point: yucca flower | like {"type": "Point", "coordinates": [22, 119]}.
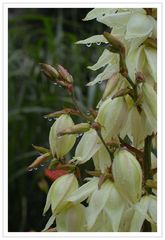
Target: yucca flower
{"type": "Point", "coordinates": [127, 175]}
{"type": "Point", "coordinates": [61, 145]}
{"type": "Point", "coordinates": [105, 201]}
{"type": "Point", "coordinates": [112, 116]}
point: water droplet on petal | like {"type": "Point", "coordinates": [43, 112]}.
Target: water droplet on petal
{"type": "Point", "coordinates": [89, 44]}
{"type": "Point", "coordinates": [98, 43]}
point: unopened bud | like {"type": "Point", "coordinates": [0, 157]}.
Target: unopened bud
{"type": "Point", "coordinates": [76, 129]}
{"type": "Point", "coordinates": [117, 45]}
{"type": "Point", "coordinates": [69, 111]}
{"type": "Point", "coordinates": [65, 75]}
{"type": "Point", "coordinates": [38, 161]}
{"type": "Point", "coordinates": [40, 149]}
{"type": "Point", "coordinates": [49, 71]}
{"type": "Point", "coordinates": [139, 77]}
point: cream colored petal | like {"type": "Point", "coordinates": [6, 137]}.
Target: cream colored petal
{"type": "Point", "coordinates": [139, 25]}
{"type": "Point", "coordinates": [114, 208]}
{"type": "Point", "coordinates": [98, 12]}
{"type": "Point", "coordinates": [59, 191]}
{"type": "Point", "coordinates": [63, 144]}
{"type": "Point", "coordinates": [106, 74]}
{"type": "Point", "coordinates": [135, 61]}
{"type": "Point", "coordinates": [127, 175]}
{"type": "Point", "coordinates": [152, 208]}
{"type": "Point", "coordinates": [151, 55]}
{"type": "Point", "coordinates": [149, 106]}
{"type": "Point", "coordinates": [112, 116]}
{"type": "Point", "coordinates": [138, 218]}
{"type": "Point", "coordinates": [84, 191]}
{"type": "Point", "coordinates": [93, 39]}
{"type": "Point", "coordinates": [71, 219]}
{"type": "Point", "coordinates": [97, 203]}
{"type": "Point", "coordinates": [115, 19]}
{"type": "Point", "coordinates": [49, 223]}
{"type": "Point", "coordinates": [87, 147]}
{"type": "Point", "coordinates": [102, 159]}
{"type": "Point", "coordinates": [103, 60]}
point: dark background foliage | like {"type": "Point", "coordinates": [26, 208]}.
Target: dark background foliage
{"type": "Point", "coordinates": [48, 36]}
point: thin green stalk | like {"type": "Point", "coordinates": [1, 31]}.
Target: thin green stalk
{"type": "Point", "coordinates": [77, 107]}
{"type": "Point", "coordinates": [101, 138]}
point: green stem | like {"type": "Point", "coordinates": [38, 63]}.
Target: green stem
{"type": "Point", "coordinates": [133, 86]}
{"type": "Point", "coordinates": [101, 138]}
{"type": "Point", "coordinates": [88, 118]}
{"type": "Point", "coordinates": [147, 159]}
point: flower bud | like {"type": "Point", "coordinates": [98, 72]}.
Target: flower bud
{"type": "Point", "coordinates": [127, 175]}
{"type": "Point", "coordinates": [76, 129]}
{"type": "Point", "coordinates": [59, 192]}
{"type": "Point", "coordinates": [112, 115]}
{"type": "Point", "coordinates": [49, 71]}
{"type": "Point", "coordinates": [116, 44]}
{"type": "Point", "coordinates": [64, 74]}
{"type": "Point", "coordinates": [61, 145]}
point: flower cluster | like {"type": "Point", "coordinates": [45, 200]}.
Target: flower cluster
{"type": "Point", "coordinates": [118, 135]}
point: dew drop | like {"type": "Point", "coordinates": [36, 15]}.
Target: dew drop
{"type": "Point", "coordinates": [35, 169]}
{"type": "Point", "coordinates": [60, 86]}
{"type": "Point", "coordinates": [89, 45]}
{"type": "Point", "coordinates": [30, 170]}
{"type": "Point", "coordinates": [88, 113]}
{"type": "Point", "coordinates": [98, 43]}
{"type": "Point", "coordinates": [49, 119]}
{"type": "Point", "coordinates": [42, 165]}
{"type": "Point", "coordinates": [55, 83]}
{"type": "Point", "coordinates": [45, 117]}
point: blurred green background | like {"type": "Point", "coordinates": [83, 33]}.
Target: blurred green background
{"type": "Point", "coordinates": [48, 36]}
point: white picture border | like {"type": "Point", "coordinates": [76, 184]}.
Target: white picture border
{"type": "Point", "coordinates": [4, 116]}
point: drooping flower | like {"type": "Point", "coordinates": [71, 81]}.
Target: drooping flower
{"type": "Point", "coordinates": [61, 145]}
{"type": "Point", "coordinates": [58, 193]}
{"type": "Point", "coordinates": [112, 116]}
{"type": "Point", "coordinates": [72, 219]}
{"type": "Point", "coordinates": [127, 175]}
{"type": "Point", "coordinates": [106, 201]}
